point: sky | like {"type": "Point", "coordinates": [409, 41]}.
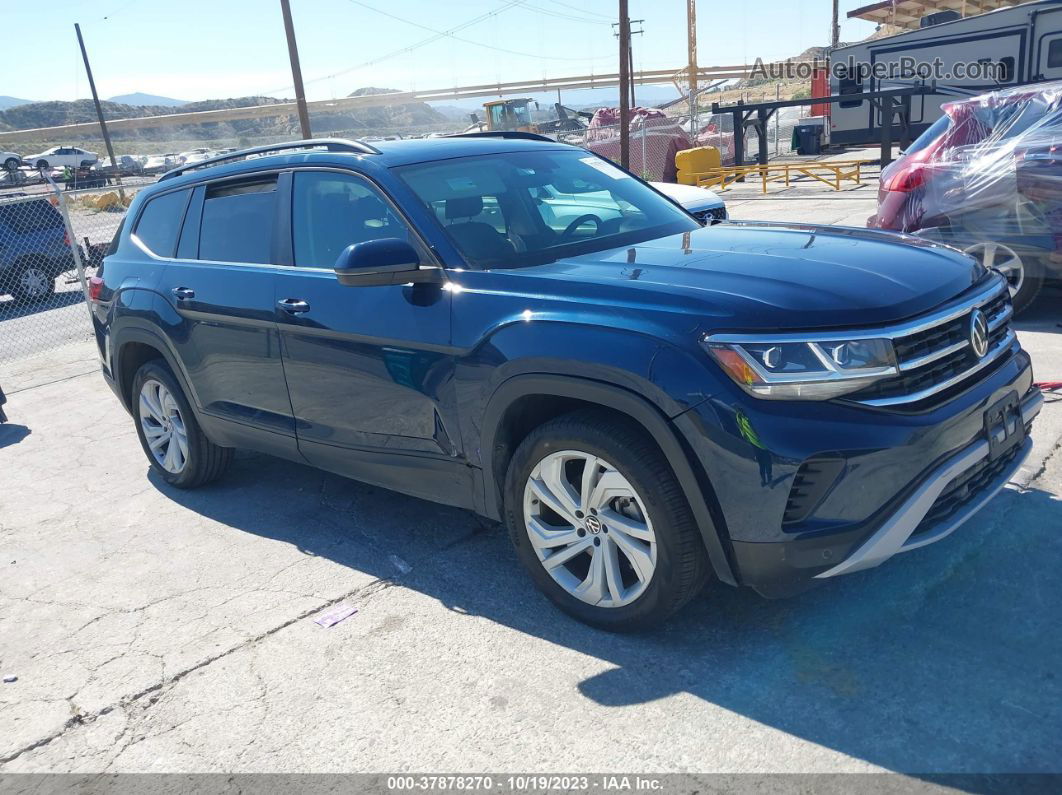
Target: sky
{"type": "Point", "coordinates": [206, 49]}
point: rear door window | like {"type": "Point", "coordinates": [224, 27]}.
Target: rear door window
{"type": "Point", "coordinates": [160, 222]}
{"type": "Point", "coordinates": [238, 220]}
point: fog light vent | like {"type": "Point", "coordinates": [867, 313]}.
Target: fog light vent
{"type": "Point", "coordinates": [813, 481]}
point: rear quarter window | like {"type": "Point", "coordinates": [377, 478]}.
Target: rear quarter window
{"type": "Point", "coordinates": [160, 222]}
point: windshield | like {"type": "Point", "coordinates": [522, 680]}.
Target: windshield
{"type": "Point", "coordinates": [528, 208]}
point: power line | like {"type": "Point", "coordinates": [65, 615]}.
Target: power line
{"type": "Point", "coordinates": [449, 34]}
{"type": "Point", "coordinates": [561, 15]}
{"type": "Point", "coordinates": [608, 17]}
{"type": "Point", "coordinates": [429, 40]}
{"type": "Point", "coordinates": [437, 36]}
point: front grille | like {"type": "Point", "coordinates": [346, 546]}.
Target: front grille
{"type": "Point", "coordinates": [711, 216]}
{"type": "Point", "coordinates": [937, 360]}
{"type": "Point", "coordinates": [963, 489]}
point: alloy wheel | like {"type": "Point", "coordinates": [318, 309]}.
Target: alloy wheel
{"type": "Point", "coordinates": [1004, 259]}
{"type": "Point", "coordinates": [589, 528]}
{"type": "Point", "coordinates": [163, 426]}
{"type": "Point", "coordinates": [34, 283]}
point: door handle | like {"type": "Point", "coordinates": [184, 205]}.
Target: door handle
{"type": "Point", "coordinates": [183, 293]}
{"type": "Point", "coordinates": [293, 306]}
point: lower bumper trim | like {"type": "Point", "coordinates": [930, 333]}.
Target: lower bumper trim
{"type": "Point", "coordinates": [895, 534]}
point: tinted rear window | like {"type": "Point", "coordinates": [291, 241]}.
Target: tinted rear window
{"type": "Point", "coordinates": [237, 223]}
{"type": "Point", "coordinates": [929, 136]}
{"type": "Point", "coordinates": [160, 222]}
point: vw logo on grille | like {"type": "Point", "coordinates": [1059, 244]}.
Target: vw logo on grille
{"type": "Point", "coordinates": [979, 333]}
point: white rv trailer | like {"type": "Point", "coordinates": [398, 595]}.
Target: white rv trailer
{"type": "Point", "coordinates": [1020, 45]}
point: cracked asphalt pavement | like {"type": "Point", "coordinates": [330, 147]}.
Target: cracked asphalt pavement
{"type": "Point", "coordinates": [157, 630]}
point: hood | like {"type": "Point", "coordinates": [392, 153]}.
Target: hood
{"type": "Point", "coordinates": [747, 276]}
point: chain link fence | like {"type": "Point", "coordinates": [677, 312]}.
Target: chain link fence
{"type": "Point", "coordinates": [50, 243]}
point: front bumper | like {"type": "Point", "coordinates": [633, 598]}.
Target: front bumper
{"type": "Point", "coordinates": [900, 480]}
{"type": "Point", "coordinates": [906, 528]}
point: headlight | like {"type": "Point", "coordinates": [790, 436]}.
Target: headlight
{"type": "Point", "coordinates": [793, 369]}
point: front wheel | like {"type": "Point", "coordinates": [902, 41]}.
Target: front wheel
{"type": "Point", "coordinates": [42, 164]}
{"type": "Point", "coordinates": [11, 164]}
{"type": "Point", "coordinates": [175, 445]}
{"type": "Point", "coordinates": [600, 522]}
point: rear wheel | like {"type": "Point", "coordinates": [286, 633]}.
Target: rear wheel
{"type": "Point", "coordinates": [33, 284]}
{"type": "Point", "coordinates": [1023, 271]}
{"type": "Point", "coordinates": [600, 522]}
{"type": "Point", "coordinates": [170, 434]}
{"type": "Point", "coordinates": [11, 164]}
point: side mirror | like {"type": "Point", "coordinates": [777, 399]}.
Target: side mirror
{"type": "Point", "coordinates": [378, 263]}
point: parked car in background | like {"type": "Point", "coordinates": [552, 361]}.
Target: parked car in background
{"type": "Point", "coordinates": [157, 164]}
{"type": "Point", "coordinates": [987, 178]}
{"type": "Point", "coordinates": [518, 327]}
{"type": "Point", "coordinates": [702, 203]}
{"type": "Point", "coordinates": [194, 156]}
{"type": "Point", "coordinates": [34, 249]}
{"type": "Point", "coordinates": [62, 157]}
{"type": "Point", "coordinates": [10, 161]}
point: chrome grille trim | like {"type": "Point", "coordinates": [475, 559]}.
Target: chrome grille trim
{"type": "Point", "coordinates": [929, 358]}
{"type": "Point", "coordinates": [1000, 348]}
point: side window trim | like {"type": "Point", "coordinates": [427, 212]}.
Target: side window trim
{"type": "Point", "coordinates": [283, 241]}
{"type": "Point", "coordinates": [419, 242]}
{"type": "Point", "coordinates": [188, 242]}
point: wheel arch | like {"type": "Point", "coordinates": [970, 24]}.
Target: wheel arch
{"type": "Point", "coordinates": [524, 402]}
{"type": "Point", "coordinates": [133, 346]}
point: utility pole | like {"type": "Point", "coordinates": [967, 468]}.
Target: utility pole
{"type": "Point", "coordinates": [296, 70]}
{"type": "Point", "coordinates": [835, 29]}
{"type": "Point", "coordinates": [691, 25]}
{"type": "Point", "coordinates": [625, 84]}
{"type": "Point", "coordinates": [99, 111]}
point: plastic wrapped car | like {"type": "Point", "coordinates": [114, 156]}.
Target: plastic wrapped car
{"type": "Point", "coordinates": [987, 178]}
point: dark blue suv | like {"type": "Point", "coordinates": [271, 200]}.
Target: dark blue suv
{"type": "Point", "coordinates": [520, 328]}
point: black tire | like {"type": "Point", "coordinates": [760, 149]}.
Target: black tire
{"type": "Point", "coordinates": [11, 164]}
{"type": "Point", "coordinates": [42, 164]}
{"type": "Point", "coordinates": [682, 565]}
{"type": "Point", "coordinates": [1031, 285]}
{"type": "Point", "coordinates": [39, 275]}
{"type": "Point", "coordinates": [206, 461]}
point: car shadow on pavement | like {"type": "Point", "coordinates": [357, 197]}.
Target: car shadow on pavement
{"type": "Point", "coordinates": [948, 659]}
{"type": "Point", "coordinates": [12, 433]}
{"type": "Point", "coordinates": [11, 310]}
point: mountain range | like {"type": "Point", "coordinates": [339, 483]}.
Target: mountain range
{"type": "Point", "coordinates": [140, 98]}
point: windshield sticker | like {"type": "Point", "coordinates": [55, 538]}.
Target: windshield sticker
{"type": "Point", "coordinates": [605, 167]}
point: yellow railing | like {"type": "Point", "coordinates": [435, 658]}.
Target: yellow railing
{"type": "Point", "coordinates": [829, 172]}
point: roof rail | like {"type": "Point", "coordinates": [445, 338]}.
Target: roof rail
{"type": "Point", "coordinates": [519, 134]}
{"type": "Point", "coordinates": [329, 144]}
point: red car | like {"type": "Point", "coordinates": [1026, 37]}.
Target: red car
{"type": "Point", "coordinates": [987, 178]}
